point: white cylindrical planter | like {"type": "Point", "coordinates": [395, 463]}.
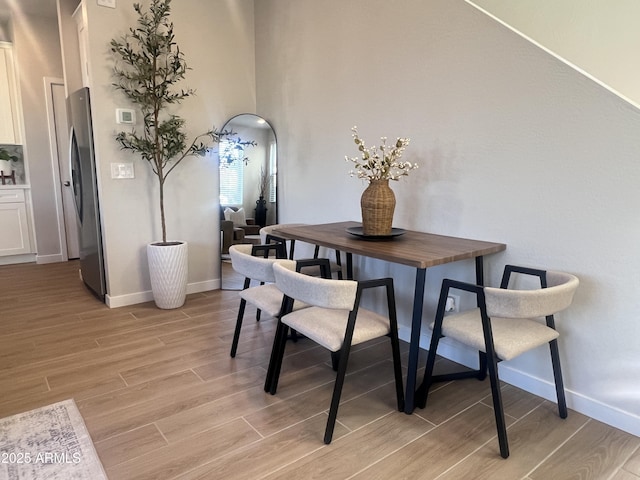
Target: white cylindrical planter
{"type": "Point", "coordinates": [168, 272]}
{"type": "Point", "coordinates": [6, 166]}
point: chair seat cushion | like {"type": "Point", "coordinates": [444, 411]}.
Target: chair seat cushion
{"type": "Point", "coordinates": [511, 336]}
{"type": "Point", "coordinates": [327, 326]}
{"type": "Point", "coordinates": [267, 298]}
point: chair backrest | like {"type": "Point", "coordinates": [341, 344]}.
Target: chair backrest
{"type": "Point", "coordinates": [509, 303]}
{"type": "Point", "coordinates": [277, 250]}
{"type": "Point", "coordinates": [255, 268]}
{"type": "Point", "coordinates": [320, 292]}
{"type": "Point", "coordinates": [264, 231]}
{"type": "Point", "coordinates": [304, 249]}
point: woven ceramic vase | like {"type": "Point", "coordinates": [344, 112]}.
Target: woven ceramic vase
{"type": "Point", "coordinates": [377, 204]}
{"type": "Point", "coordinates": [168, 272]}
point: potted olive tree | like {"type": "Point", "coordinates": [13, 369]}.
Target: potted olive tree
{"type": "Point", "coordinates": [148, 66]}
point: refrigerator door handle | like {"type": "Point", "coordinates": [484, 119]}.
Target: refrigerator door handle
{"type": "Point", "coordinates": [76, 173]}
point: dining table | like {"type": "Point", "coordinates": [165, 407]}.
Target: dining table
{"type": "Point", "coordinates": [420, 250]}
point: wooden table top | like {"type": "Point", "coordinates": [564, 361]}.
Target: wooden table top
{"type": "Point", "coordinates": [416, 249]}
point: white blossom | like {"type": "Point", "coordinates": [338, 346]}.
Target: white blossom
{"type": "Point", "coordinates": [381, 162]}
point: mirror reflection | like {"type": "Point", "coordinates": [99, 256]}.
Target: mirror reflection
{"type": "Point", "coordinates": [248, 187]}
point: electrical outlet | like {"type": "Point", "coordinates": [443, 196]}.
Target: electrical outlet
{"type": "Point", "coordinates": [122, 170]}
{"type": "Point", "coordinates": [453, 303]}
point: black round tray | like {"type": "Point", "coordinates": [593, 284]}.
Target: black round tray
{"type": "Point", "coordinates": [357, 231]}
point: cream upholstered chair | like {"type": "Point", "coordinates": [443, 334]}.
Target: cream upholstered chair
{"type": "Point", "coordinates": [504, 325]}
{"type": "Point", "coordinates": [248, 260]}
{"type": "Point", "coordinates": [334, 320]}
{"type": "Point", "coordinates": [269, 234]}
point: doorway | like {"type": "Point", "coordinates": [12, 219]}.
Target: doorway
{"type": "Point", "coordinates": [59, 147]}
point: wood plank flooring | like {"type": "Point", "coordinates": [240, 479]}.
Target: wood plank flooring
{"type": "Point", "coordinates": [162, 399]}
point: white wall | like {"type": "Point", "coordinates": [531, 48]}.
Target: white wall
{"type": "Point", "coordinates": [514, 146]}
{"type": "Point", "coordinates": [217, 39]}
{"type": "Point", "coordinates": [4, 30]}
{"type": "Point", "coordinates": [37, 54]}
{"type": "Point", "coordinates": [69, 43]}
{"type": "Point", "coordinates": [601, 38]}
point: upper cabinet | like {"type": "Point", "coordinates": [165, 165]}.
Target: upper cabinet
{"type": "Point", "coordinates": [9, 113]}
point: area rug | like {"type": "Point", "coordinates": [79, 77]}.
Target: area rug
{"type": "Point", "coordinates": [49, 443]}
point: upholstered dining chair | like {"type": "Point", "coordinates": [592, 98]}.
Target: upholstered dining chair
{"type": "Point", "coordinates": [248, 260]}
{"type": "Point", "coordinates": [504, 325]}
{"type": "Point", "coordinates": [334, 320]}
{"type": "Point", "coordinates": [269, 234]}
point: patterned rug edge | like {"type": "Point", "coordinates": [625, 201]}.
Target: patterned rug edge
{"type": "Point", "coordinates": [49, 442]}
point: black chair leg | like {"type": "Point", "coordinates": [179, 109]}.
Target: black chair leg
{"type": "Point", "coordinates": [497, 407]}
{"type": "Point", "coordinates": [261, 283]}
{"type": "Point", "coordinates": [397, 368]}
{"type": "Point", "coordinates": [423, 389]}
{"type": "Point", "coordinates": [337, 392]}
{"type": "Point", "coordinates": [280, 344]}
{"type": "Point", "coordinates": [236, 333]}
{"type": "Point", "coordinates": [335, 360]}
{"type": "Point", "coordinates": [557, 375]}
{"type": "Point", "coordinates": [395, 342]}
{"type": "Point", "coordinates": [274, 354]}
{"type": "Point", "coordinates": [482, 369]}
{"type": "Point", "coordinates": [294, 336]}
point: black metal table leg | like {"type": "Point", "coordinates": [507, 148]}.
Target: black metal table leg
{"type": "Point", "coordinates": [414, 345]}
{"type": "Point", "coordinates": [479, 270]}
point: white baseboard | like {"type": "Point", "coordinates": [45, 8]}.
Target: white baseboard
{"type": "Point", "coordinates": [11, 259]}
{"type": "Point", "coordinates": [147, 296]}
{"type": "Point", "coordinates": [591, 407]}
{"type": "Point", "coordinates": [42, 259]}
{"type": "Point", "coordinates": [205, 286]}
{"type": "Point", "coordinates": [128, 299]}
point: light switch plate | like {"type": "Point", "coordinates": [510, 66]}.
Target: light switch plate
{"type": "Point", "coordinates": [107, 3]}
{"type": "Point", "coordinates": [122, 170]}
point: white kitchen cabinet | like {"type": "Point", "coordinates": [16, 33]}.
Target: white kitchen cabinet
{"type": "Point", "coordinates": [9, 117]}
{"type": "Point", "coordinates": [14, 231]}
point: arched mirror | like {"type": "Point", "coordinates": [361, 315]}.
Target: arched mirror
{"type": "Point", "coordinates": [248, 187]}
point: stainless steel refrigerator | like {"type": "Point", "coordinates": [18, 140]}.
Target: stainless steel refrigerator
{"type": "Point", "coordinates": [85, 192]}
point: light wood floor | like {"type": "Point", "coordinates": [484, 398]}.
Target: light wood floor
{"type": "Point", "coordinates": [162, 399]}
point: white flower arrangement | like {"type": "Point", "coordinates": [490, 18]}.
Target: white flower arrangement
{"type": "Point", "coordinates": [381, 162]}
